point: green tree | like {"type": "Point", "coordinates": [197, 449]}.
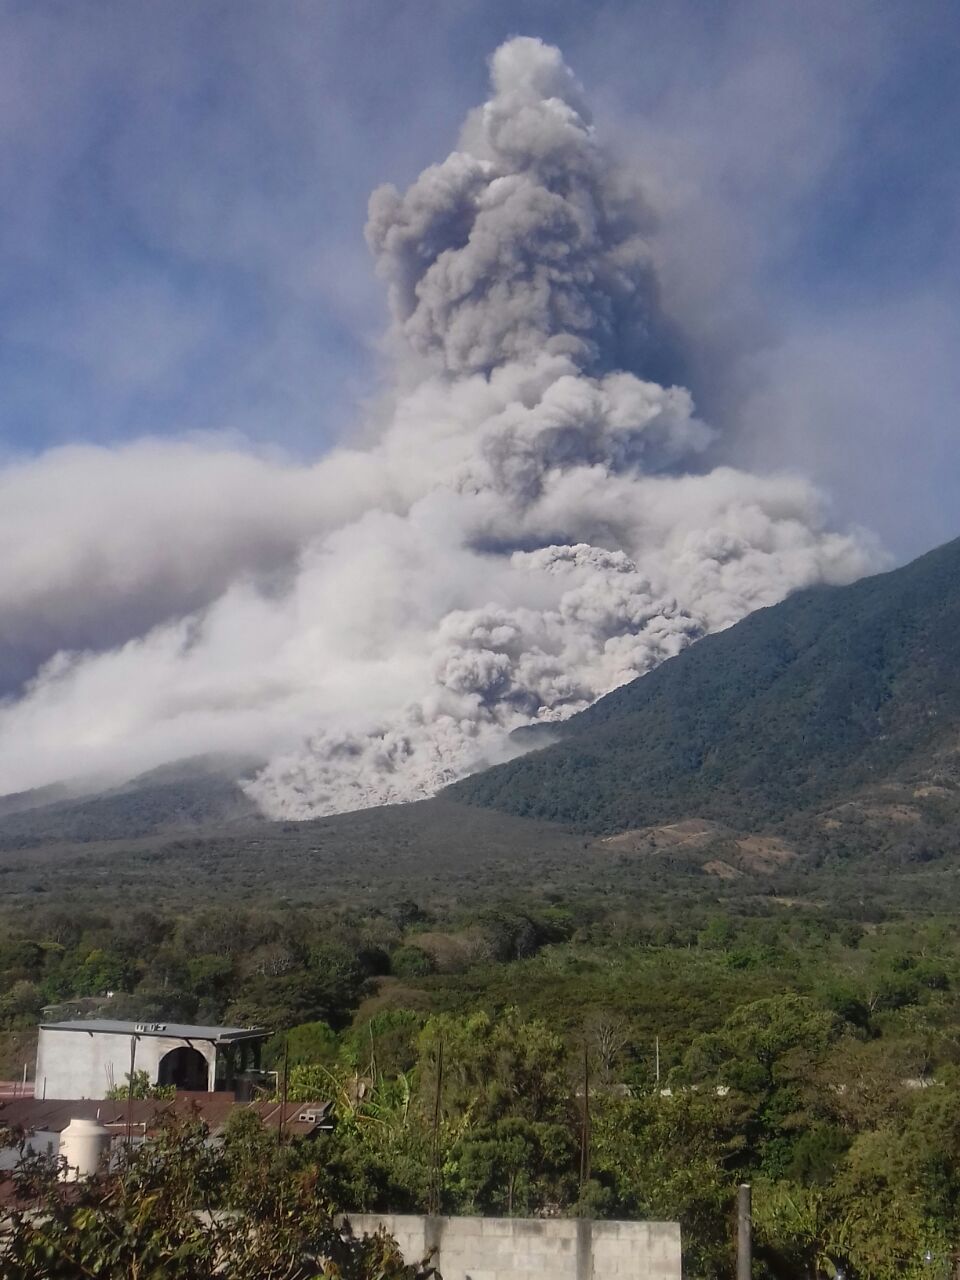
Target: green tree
{"type": "Point", "coordinates": [513, 1166]}
{"type": "Point", "coordinates": [411, 962]}
{"type": "Point", "coordinates": [668, 1158]}
{"type": "Point", "coordinates": [141, 1088]}
{"type": "Point", "coordinates": [20, 1004]}
{"type": "Point", "coordinates": [492, 1068]}
{"type": "Point", "coordinates": [303, 1045]}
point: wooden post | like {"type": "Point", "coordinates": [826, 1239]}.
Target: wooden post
{"type": "Point", "coordinates": [284, 1088]}
{"type": "Point", "coordinates": [133, 1064]}
{"type": "Point", "coordinates": [373, 1057]}
{"type": "Point", "coordinates": [585, 1126]}
{"type": "Point", "coordinates": [435, 1179]}
{"type": "Point", "coordinates": [744, 1233]}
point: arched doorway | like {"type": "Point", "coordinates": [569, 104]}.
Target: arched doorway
{"type": "Point", "coordinates": [184, 1068]}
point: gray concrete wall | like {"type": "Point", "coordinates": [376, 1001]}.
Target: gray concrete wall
{"type": "Point", "coordinates": [534, 1248]}
{"type": "Point", "coordinates": [85, 1064]}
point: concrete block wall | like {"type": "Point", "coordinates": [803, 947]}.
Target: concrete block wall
{"type": "Point", "coordinates": [534, 1248]}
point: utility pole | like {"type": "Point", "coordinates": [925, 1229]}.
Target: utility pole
{"type": "Point", "coordinates": [657, 1052]}
{"type": "Point", "coordinates": [744, 1232]}
{"type": "Point", "coordinates": [434, 1204]}
{"type": "Point", "coordinates": [585, 1130]}
{"type": "Point", "coordinates": [283, 1088]}
{"type": "Point", "coordinates": [133, 1063]}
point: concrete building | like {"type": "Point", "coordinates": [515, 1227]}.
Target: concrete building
{"type": "Point", "coordinates": [87, 1058]}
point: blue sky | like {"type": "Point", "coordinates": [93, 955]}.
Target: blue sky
{"type": "Point", "coordinates": [184, 186]}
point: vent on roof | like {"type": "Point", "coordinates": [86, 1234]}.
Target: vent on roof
{"type": "Point", "coordinates": [309, 1117]}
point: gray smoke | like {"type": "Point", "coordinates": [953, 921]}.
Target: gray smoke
{"type": "Point", "coordinates": [533, 527]}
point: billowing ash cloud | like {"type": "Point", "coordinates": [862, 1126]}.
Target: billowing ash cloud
{"type": "Point", "coordinates": [532, 527]}
{"type": "Point", "coordinates": [522, 241]}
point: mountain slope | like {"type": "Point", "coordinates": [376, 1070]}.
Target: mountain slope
{"type": "Point", "coordinates": [199, 792]}
{"type": "Point", "coordinates": [835, 689]}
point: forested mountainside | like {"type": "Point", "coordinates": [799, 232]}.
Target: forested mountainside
{"type": "Point", "coordinates": [830, 722]}
{"type": "Point", "coordinates": [838, 696]}
{"type": "Point", "coordinates": [202, 792]}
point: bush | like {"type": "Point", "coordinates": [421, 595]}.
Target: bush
{"type": "Point", "coordinates": [141, 1088]}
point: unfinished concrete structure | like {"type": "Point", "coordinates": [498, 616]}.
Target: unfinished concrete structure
{"type": "Point", "coordinates": [532, 1248]}
{"type": "Point", "coordinates": [85, 1059]}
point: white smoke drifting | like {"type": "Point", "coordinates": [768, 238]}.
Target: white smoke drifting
{"type": "Point", "coordinates": [530, 529]}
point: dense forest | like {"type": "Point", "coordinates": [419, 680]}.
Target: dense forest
{"type": "Point", "coordinates": [503, 1058]}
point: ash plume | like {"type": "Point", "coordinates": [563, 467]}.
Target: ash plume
{"type": "Point", "coordinates": [533, 526]}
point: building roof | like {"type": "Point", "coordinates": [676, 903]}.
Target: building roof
{"type": "Point", "coordinates": [53, 1115]}
{"type": "Point", "coordinates": [174, 1030]}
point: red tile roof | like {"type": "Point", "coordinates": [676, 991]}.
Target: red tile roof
{"type": "Point", "coordinates": [53, 1115]}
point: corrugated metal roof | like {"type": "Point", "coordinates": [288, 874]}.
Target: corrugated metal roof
{"type": "Point", "coordinates": [176, 1030]}
{"type": "Point", "coordinates": [53, 1115]}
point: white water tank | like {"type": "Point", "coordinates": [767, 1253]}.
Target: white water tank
{"type": "Point", "coordinates": [83, 1145]}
